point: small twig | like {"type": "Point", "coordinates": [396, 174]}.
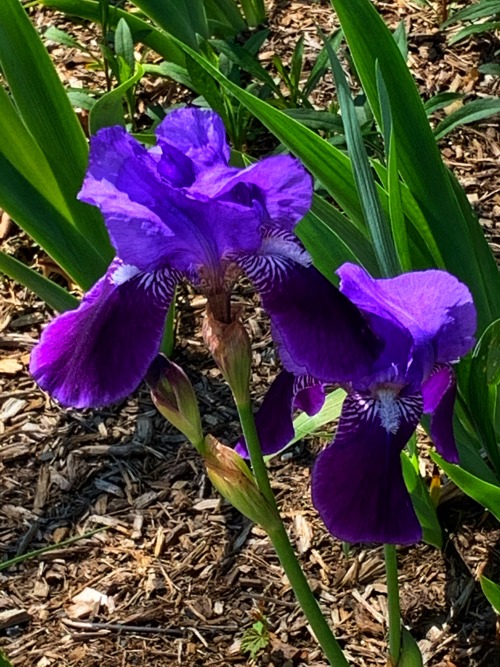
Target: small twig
{"type": "Point", "coordinates": [121, 627]}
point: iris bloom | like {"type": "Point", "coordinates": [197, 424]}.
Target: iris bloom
{"type": "Point", "coordinates": [176, 211]}
{"type": "Point", "coordinates": [424, 321]}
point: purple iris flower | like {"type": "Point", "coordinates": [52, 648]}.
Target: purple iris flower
{"type": "Point", "coordinates": [175, 211]}
{"type": "Point", "coordinates": [425, 320]}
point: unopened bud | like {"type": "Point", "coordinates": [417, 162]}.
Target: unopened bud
{"type": "Point", "coordinates": [230, 346]}
{"type": "Point", "coordinates": [174, 397]}
{"type": "Point", "coordinates": [231, 476]}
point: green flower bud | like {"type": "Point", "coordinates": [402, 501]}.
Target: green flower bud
{"type": "Point", "coordinates": [174, 397]}
{"type": "Point", "coordinates": [231, 476]}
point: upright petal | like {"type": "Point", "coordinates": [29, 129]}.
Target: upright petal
{"type": "Point", "coordinates": [123, 182]}
{"type": "Point", "coordinates": [274, 420]}
{"type": "Point", "coordinates": [318, 331]}
{"type": "Point", "coordinates": [357, 481]}
{"type": "Point", "coordinates": [153, 224]}
{"type": "Point", "coordinates": [98, 354]}
{"type": "Point", "coordinates": [198, 133]}
{"type": "Point", "coordinates": [439, 392]}
{"type": "Point", "coordinates": [279, 183]}
{"type": "Point", "coordinates": [434, 306]}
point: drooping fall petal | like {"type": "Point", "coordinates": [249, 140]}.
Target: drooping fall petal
{"type": "Point", "coordinates": [357, 481]}
{"type": "Point", "coordinates": [98, 354]}
{"type": "Point", "coordinates": [274, 419]}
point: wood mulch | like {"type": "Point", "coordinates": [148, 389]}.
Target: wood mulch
{"type": "Point", "coordinates": [175, 575]}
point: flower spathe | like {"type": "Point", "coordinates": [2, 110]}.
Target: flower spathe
{"type": "Point", "coordinates": [179, 211]}
{"type": "Point", "coordinates": [426, 320]}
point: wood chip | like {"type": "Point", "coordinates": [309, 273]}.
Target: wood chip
{"type": "Point", "coordinates": [12, 617]}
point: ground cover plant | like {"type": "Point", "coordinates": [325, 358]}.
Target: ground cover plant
{"type": "Point", "coordinates": [388, 344]}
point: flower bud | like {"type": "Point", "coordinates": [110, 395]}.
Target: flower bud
{"type": "Point", "coordinates": [230, 346]}
{"type": "Point", "coordinates": [174, 397]}
{"type": "Point", "coordinates": [231, 476]}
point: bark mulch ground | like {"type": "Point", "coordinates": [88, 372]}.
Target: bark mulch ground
{"type": "Point", "coordinates": [175, 575]}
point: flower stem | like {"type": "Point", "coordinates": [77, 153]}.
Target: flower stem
{"type": "Point", "coordinates": [284, 549]}
{"type": "Point", "coordinates": [391, 570]}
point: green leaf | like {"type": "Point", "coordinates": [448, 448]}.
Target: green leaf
{"type": "Point", "coordinates": [305, 425]}
{"type": "Point", "coordinates": [486, 355]}
{"type": "Point", "coordinates": [474, 29]}
{"type": "Point", "coordinates": [332, 239]}
{"type": "Point", "coordinates": [484, 377]}
{"type": "Point", "coordinates": [124, 45]}
{"type": "Point", "coordinates": [255, 639]}
{"type": "Point", "coordinates": [255, 12]}
{"type": "Point", "coordinates": [185, 19]}
{"type": "Point", "coordinates": [493, 69]}
{"type": "Point", "coordinates": [468, 113]}
{"type": "Point", "coordinates": [46, 111]}
{"type": "Point", "coordinates": [4, 661]}
{"type": "Point", "coordinates": [419, 161]}
{"type": "Point", "coordinates": [296, 63]}
{"type": "Point", "coordinates": [80, 99]}
{"type": "Point", "coordinates": [410, 655]}
{"type": "Point", "coordinates": [383, 244]}
{"type": "Point", "coordinates": [225, 11]}
{"type": "Point", "coordinates": [474, 11]}
{"type": "Point", "coordinates": [401, 39]}
{"type": "Point", "coordinates": [440, 101]}
{"type": "Point", "coordinates": [466, 432]}
{"type": "Point", "coordinates": [18, 146]}
{"type": "Point", "coordinates": [244, 59]}
{"type": "Point", "coordinates": [486, 494]}
{"type": "Point", "coordinates": [320, 67]}
{"type": "Point", "coordinates": [108, 109]}
{"type": "Point", "coordinates": [61, 37]}
{"type": "Point", "coordinates": [422, 503]}
{"type": "Point", "coordinates": [142, 31]}
{"type": "Point", "coordinates": [48, 227]}
{"type": "Point", "coordinates": [396, 212]}
{"type": "Point", "coordinates": [172, 71]}
{"type": "Point", "coordinates": [54, 295]}
{"type": "Point", "coordinates": [317, 120]}
{"type": "Point", "coordinates": [207, 87]}
{"type": "Point", "coordinates": [492, 593]}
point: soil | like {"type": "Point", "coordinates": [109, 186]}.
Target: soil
{"type": "Point", "coordinates": [175, 575]}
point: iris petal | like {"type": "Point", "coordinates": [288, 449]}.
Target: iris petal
{"type": "Point", "coordinates": [357, 481]}
{"type": "Point", "coordinates": [434, 306]}
{"type": "Point", "coordinates": [99, 353]}
{"type": "Point", "coordinates": [274, 420]}
{"type": "Point", "coordinates": [154, 224]}
{"type": "Point", "coordinates": [198, 133]}
{"type": "Point", "coordinates": [279, 183]}
{"type": "Point", "coordinates": [439, 391]}
{"type": "Point", "coordinates": [317, 329]}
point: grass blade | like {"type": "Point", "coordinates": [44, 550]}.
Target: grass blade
{"type": "Point", "coordinates": [46, 225]}
{"type": "Point", "coordinates": [108, 110]}
{"type": "Point", "coordinates": [46, 111]}
{"type": "Point", "coordinates": [467, 255]}
{"type": "Point", "coordinates": [383, 244]}
{"type": "Point", "coordinates": [57, 298]}
{"type": "Point", "coordinates": [149, 35]}
{"type": "Point", "coordinates": [476, 110]}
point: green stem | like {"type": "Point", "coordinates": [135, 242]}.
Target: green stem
{"type": "Point", "coordinates": [284, 549]}
{"type": "Point", "coordinates": [391, 570]}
